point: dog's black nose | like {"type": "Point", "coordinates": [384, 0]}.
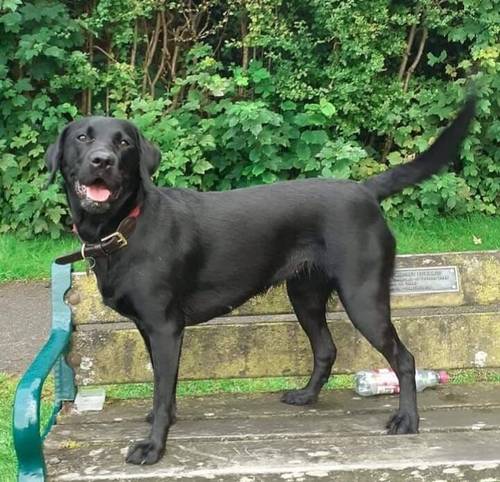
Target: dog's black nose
{"type": "Point", "coordinates": [102, 160]}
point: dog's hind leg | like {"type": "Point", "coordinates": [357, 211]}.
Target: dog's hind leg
{"type": "Point", "coordinates": [365, 293]}
{"type": "Point", "coordinates": [309, 295]}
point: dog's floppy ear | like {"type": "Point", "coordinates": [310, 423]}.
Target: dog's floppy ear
{"type": "Point", "coordinates": [150, 158]}
{"type": "Point", "coordinates": [54, 155]}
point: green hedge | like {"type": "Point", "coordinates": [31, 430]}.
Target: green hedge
{"type": "Point", "coordinates": [241, 92]}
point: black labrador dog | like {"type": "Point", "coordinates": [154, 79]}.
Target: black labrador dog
{"type": "Point", "coordinates": [183, 257]}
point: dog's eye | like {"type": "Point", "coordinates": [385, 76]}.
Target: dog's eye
{"type": "Point", "coordinates": [124, 143]}
{"type": "Point", "coordinates": [83, 138]}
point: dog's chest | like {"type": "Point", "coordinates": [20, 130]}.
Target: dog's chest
{"type": "Point", "coordinates": [116, 296]}
{"type": "Point", "coordinates": [121, 304]}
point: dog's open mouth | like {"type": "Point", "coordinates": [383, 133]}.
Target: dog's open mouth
{"type": "Point", "coordinates": [97, 192]}
{"type": "Point", "coordinates": [96, 197]}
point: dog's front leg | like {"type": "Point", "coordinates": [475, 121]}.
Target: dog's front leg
{"type": "Point", "coordinates": [165, 335]}
{"type": "Point", "coordinates": [150, 416]}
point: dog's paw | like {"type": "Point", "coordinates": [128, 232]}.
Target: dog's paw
{"type": "Point", "coordinates": [145, 452]}
{"type": "Point", "coordinates": [299, 397]}
{"type": "Point", "coordinates": [402, 422]}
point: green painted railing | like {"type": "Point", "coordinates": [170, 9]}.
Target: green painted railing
{"type": "Point", "coordinates": [28, 441]}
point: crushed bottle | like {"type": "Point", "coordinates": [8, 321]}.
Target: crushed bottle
{"type": "Point", "coordinates": [385, 381]}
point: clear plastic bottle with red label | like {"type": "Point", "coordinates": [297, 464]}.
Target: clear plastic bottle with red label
{"type": "Point", "coordinates": [385, 381]}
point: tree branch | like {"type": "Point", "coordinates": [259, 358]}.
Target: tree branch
{"type": "Point", "coordinates": [134, 45]}
{"type": "Point", "coordinates": [150, 53]}
{"type": "Point", "coordinates": [407, 73]}
{"type": "Point", "coordinates": [409, 45]}
{"type": "Point", "coordinates": [244, 46]}
{"type": "Point", "coordinates": [415, 63]}
{"type": "Point", "coordinates": [164, 54]}
{"type": "Point", "coordinates": [107, 54]}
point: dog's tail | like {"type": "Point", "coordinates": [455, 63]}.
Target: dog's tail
{"type": "Point", "coordinates": [444, 151]}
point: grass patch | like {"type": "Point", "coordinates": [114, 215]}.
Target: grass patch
{"type": "Point", "coordinates": [471, 233]}
{"type": "Point", "coordinates": [466, 377]}
{"type": "Point", "coordinates": [28, 260]}
{"type": "Point", "coordinates": [7, 458]}
{"type": "Point", "coordinates": [200, 388]}
{"type": "Point", "coordinates": [31, 260]}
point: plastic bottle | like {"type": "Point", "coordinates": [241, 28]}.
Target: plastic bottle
{"type": "Point", "coordinates": [384, 381]}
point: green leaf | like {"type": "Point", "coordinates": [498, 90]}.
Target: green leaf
{"type": "Point", "coordinates": [433, 60]}
{"type": "Point", "coordinates": [23, 85]}
{"type": "Point", "coordinates": [303, 151]}
{"type": "Point", "coordinates": [288, 105]}
{"type": "Point", "coordinates": [302, 119]}
{"type": "Point", "coordinates": [421, 143]}
{"type": "Point", "coordinates": [202, 166]}
{"type": "Point", "coordinates": [315, 137]}
{"type": "Point", "coordinates": [326, 172]}
{"type": "Point", "coordinates": [311, 165]}
{"type": "Point", "coordinates": [255, 155]}
{"type": "Point", "coordinates": [258, 169]}
{"type": "Point", "coordinates": [54, 52]}
{"type": "Point", "coordinates": [256, 129]}
{"type": "Point", "coordinates": [12, 21]}
{"type": "Point", "coordinates": [327, 108]}
{"type": "Point", "coordinates": [259, 75]}
{"type": "Point", "coordinates": [395, 158]}
{"type": "Point", "coordinates": [269, 177]}
{"type": "Point", "coordinates": [11, 4]}
{"type": "Point", "coordinates": [7, 161]}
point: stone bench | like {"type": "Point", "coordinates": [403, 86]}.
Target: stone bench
{"type": "Point", "coordinates": [446, 309]}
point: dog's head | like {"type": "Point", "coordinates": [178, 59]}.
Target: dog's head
{"type": "Point", "coordinates": [103, 161]}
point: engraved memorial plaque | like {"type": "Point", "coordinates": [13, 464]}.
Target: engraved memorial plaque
{"type": "Point", "coordinates": [442, 279]}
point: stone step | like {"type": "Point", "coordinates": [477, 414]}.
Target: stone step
{"type": "Point", "coordinates": [275, 345]}
{"type": "Point", "coordinates": [432, 456]}
{"type": "Point", "coordinates": [261, 439]}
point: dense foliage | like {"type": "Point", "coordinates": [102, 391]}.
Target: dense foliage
{"type": "Point", "coordinates": [240, 92]}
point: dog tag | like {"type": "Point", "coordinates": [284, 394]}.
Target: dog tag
{"type": "Point", "coordinates": [90, 399]}
{"type": "Point", "coordinates": [89, 266]}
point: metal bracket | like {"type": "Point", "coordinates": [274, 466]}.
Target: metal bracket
{"type": "Point", "coordinates": [28, 442]}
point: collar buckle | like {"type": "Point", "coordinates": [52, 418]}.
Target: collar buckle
{"type": "Point", "coordinates": [121, 240]}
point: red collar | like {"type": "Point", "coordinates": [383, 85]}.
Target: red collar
{"type": "Point", "coordinates": [135, 213]}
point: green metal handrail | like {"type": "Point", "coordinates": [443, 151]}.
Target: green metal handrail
{"type": "Point", "coordinates": [28, 441]}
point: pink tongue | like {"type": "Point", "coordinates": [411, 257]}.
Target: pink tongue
{"type": "Point", "coordinates": [98, 193]}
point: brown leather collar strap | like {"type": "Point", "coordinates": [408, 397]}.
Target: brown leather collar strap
{"type": "Point", "coordinates": [108, 245]}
